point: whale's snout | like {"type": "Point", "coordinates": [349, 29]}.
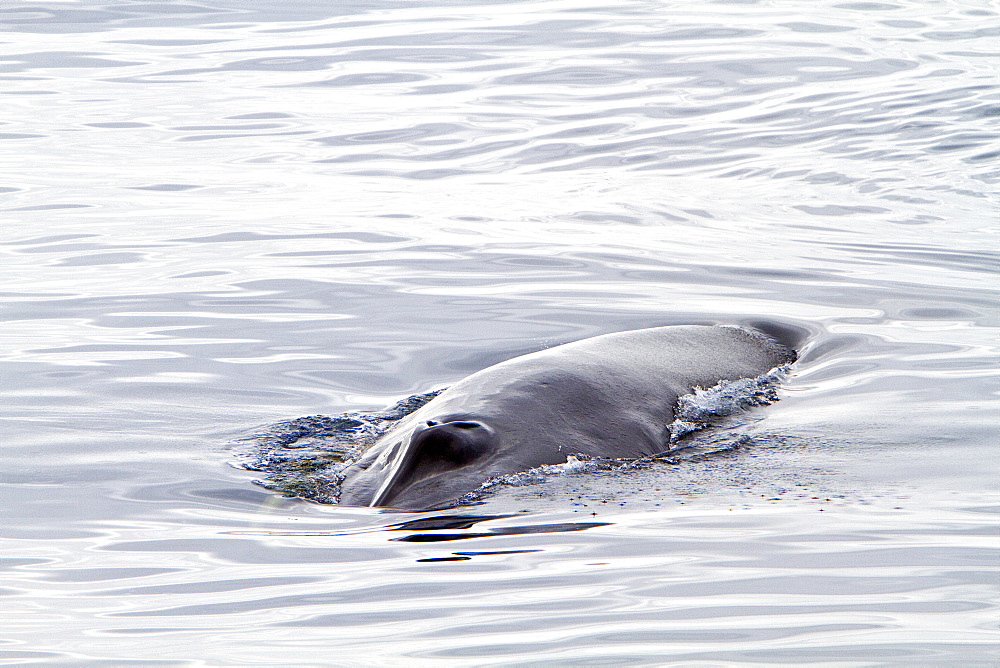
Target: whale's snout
{"type": "Point", "coordinates": [436, 447]}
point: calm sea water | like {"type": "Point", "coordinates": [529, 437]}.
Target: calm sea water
{"type": "Point", "coordinates": [218, 215]}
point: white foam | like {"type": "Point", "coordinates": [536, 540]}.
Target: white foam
{"type": "Point", "coordinates": [702, 407]}
{"type": "Point", "coordinates": [574, 464]}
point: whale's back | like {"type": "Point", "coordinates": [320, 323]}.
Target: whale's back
{"type": "Point", "coordinates": [609, 396]}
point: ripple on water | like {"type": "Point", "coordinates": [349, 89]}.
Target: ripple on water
{"type": "Point", "coordinates": [361, 201]}
{"type": "Point", "coordinates": [681, 586]}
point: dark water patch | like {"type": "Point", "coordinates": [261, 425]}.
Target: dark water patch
{"type": "Point", "coordinates": [982, 157]}
{"type": "Point", "coordinates": [940, 313]}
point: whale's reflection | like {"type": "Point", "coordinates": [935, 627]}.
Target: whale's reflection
{"type": "Point", "coordinates": [451, 523]}
{"type": "Point", "coordinates": [451, 527]}
{"type": "Point", "coordinates": [444, 522]}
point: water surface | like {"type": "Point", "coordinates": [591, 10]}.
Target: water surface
{"type": "Point", "coordinates": [216, 216]}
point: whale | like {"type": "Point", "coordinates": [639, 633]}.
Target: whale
{"type": "Point", "coordinates": [609, 396]}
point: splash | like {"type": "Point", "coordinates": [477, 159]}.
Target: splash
{"type": "Point", "coordinates": [705, 407]}
{"type": "Point", "coordinates": [574, 465]}
{"type": "Point", "coordinates": [306, 457]}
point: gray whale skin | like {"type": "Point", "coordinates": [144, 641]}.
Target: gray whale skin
{"type": "Point", "coordinates": [608, 396]}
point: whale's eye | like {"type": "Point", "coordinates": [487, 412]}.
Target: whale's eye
{"type": "Point", "coordinates": [431, 423]}
{"type": "Point", "coordinates": [466, 425]}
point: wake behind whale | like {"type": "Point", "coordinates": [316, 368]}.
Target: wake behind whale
{"type": "Point", "coordinates": [608, 397]}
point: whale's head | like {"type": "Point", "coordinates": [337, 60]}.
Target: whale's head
{"type": "Point", "coordinates": [430, 463]}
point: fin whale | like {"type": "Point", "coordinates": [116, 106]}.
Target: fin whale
{"type": "Point", "coordinates": [607, 396]}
